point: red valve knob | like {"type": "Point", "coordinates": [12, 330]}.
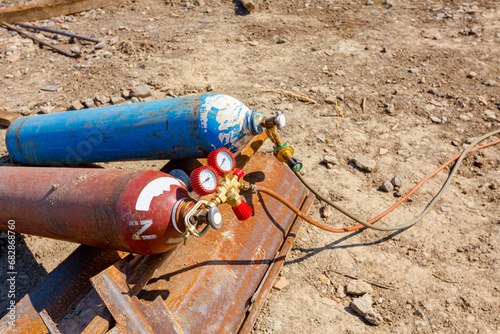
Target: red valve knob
{"type": "Point", "coordinates": [222, 160]}
{"type": "Point", "coordinates": [239, 173]}
{"type": "Point", "coordinates": [204, 180]}
{"type": "Point", "coordinates": [243, 211]}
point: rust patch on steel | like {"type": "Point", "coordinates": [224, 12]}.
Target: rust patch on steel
{"type": "Point", "coordinates": [259, 255]}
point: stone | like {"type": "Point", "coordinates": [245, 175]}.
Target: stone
{"type": "Point", "coordinates": [134, 99]}
{"type": "Point", "coordinates": [387, 186]}
{"type": "Point", "coordinates": [117, 99]}
{"type": "Point", "coordinates": [472, 74]}
{"type": "Point", "coordinates": [46, 109]}
{"type": "Point", "coordinates": [331, 99]}
{"type": "Point", "coordinates": [281, 284]}
{"type": "Point", "coordinates": [369, 2]}
{"type": "Point", "coordinates": [330, 159]}
{"type": "Point", "coordinates": [358, 288]}
{"type": "Point", "coordinates": [65, 27]}
{"type": "Point", "coordinates": [383, 151]}
{"type": "Point", "coordinates": [12, 58]}
{"type": "Point", "coordinates": [210, 87]}
{"type": "Point", "coordinates": [397, 181]}
{"type": "Point", "coordinates": [126, 93]}
{"type": "Point", "coordinates": [106, 54]}
{"type": "Point", "coordinates": [324, 90]}
{"type": "Point", "coordinates": [141, 91]}
{"type": "Point", "coordinates": [435, 119]}
{"type": "Point", "coordinates": [398, 193]}
{"type": "Point", "coordinates": [455, 143]}
{"type": "Point", "coordinates": [103, 99]}
{"type": "Point", "coordinates": [75, 49]}
{"type": "Point", "coordinates": [363, 307]}
{"type": "Point", "coordinates": [50, 88]}
{"type": "Point", "coordinates": [422, 80]}
{"type": "Point", "coordinates": [446, 209]}
{"type": "Point", "coordinates": [113, 40]}
{"type": "Point", "coordinates": [328, 302]}
{"type": "Point", "coordinates": [464, 117]}
{"type": "Point", "coordinates": [364, 163]}
{"type": "Point", "coordinates": [76, 105]}
{"type": "Point", "coordinates": [100, 45]}
{"type": "Point", "coordinates": [89, 103]}
{"type": "Point", "coordinates": [490, 115]}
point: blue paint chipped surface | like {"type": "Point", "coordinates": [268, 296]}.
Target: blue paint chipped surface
{"type": "Point", "coordinates": [187, 127]}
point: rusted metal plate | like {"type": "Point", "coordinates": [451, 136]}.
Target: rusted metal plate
{"type": "Point", "coordinates": [208, 284]}
{"type": "Point", "coordinates": [60, 291]}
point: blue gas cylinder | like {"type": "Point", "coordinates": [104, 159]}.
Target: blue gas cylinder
{"type": "Point", "coordinates": [186, 127]}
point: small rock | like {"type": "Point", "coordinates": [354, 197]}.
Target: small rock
{"type": "Point", "coordinates": [472, 74]}
{"type": "Point", "coordinates": [281, 41]}
{"type": "Point", "coordinates": [328, 301]}
{"type": "Point", "coordinates": [326, 211]}
{"type": "Point", "coordinates": [324, 90]}
{"type": "Point", "coordinates": [46, 109]}
{"type": "Point", "coordinates": [398, 193]}
{"type": "Point", "coordinates": [383, 151]}
{"type": "Point", "coordinates": [397, 181]}
{"type": "Point", "coordinates": [464, 117]}
{"type": "Point", "coordinates": [490, 83]}
{"type": "Point", "coordinates": [50, 88]}
{"type": "Point", "coordinates": [12, 58]}
{"type": "Point", "coordinates": [101, 98]}
{"type": "Point", "coordinates": [469, 140]}
{"type": "Point", "coordinates": [100, 45]}
{"type": "Point", "coordinates": [364, 163]}
{"type": "Point", "coordinates": [479, 161]}
{"type": "Point", "coordinates": [331, 159]}
{"type": "Point", "coordinates": [358, 288]}
{"type": "Point", "coordinates": [117, 99]}
{"type": "Point", "coordinates": [253, 43]}
{"type": "Point", "coordinates": [422, 80]}
{"type": "Point", "coordinates": [75, 49]}
{"type": "Point", "coordinates": [455, 143]}
{"type": "Point", "coordinates": [437, 37]}
{"type": "Point", "coordinates": [321, 138]}
{"type": "Point", "coordinates": [432, 91]}
{"type": "Point", "coordinates": [106, 54]}
{"type": "Point", "coordinates": [331, 99]}
{"type": "Point", "coordinates": [281, 284]}
{"type": "Point", "coordinates": [389, 108]}
{"type": "Point", "coordinates": [493, 186]}
{"type": "Point", "coordinates": [490, 115]}
{"type": "Point", "coordinates": [126, 93]}
{"type": "Point", "coordinates": [141, 91]}
{"type": "Point", "coordinates": [387, 186]}
{"type": "Point", "coordinates": [435, 119]}
{"type": "Point", "coordinates": [76, 105]}
{"type": "Point", "coordinates": [113, 40]}
{"type": "Point", "coordinates": [210, 88]}
{"type": "Point", "coordinates": [314, 89]}
{"type": "Point", "coordinates": [369, 2]}
{"type": "Point", "coordinates": [363, 307]}
{"type": "Point", "coordinates": [89, 103]}
{"type": "Point", "coordinates": [446, 209]}
{"type": "Point", "coordinates": [65, 27]}
{"type": "Point", "coordinates": [134, 99]}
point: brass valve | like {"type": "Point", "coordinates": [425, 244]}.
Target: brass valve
{"type": "Point", "coordinates": [283, 152]}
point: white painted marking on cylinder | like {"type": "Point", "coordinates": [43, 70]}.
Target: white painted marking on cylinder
{"type": "Point", "coordinates": [153, 189]}
{"type": "Point", "coordinates": [145, 225]}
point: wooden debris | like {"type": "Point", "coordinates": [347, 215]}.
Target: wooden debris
{"type": "Point", "coordinates": [300, 97]}
{"type": "Point", "coordinates": [7, 117]}
{"type": "Point", "coordinates": [50, 8]}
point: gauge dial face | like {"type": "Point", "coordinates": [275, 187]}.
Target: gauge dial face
{"type": "Point", "coordinates": [225, 161]}
{"type": "Point", "coordinates": [208, 179]}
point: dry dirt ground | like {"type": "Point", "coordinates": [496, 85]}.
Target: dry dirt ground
{"type": "Point", "coordinates": [429, 73]}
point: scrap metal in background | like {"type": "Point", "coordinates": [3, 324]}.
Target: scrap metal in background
{"type": "Point", "coordinates": [58, 49]}
{"type": "Point", "coordinates": [216, 283]}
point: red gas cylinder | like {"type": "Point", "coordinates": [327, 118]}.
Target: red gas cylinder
{"type": "Point", "coordinates": [134, 211]}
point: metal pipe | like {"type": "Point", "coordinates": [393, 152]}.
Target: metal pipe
{"type": "Point", "coordinates": [59, 32]}
{"type": "Point", "coordinates": [22, 32]}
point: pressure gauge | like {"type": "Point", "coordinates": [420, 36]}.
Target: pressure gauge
{"type": "Point", "coordinates": [204, 180]}
{"type": "Point", "coordinates": [221, 160]}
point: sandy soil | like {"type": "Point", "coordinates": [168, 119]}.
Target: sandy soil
{"type": "Point", "coordinates": [429, 75]}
